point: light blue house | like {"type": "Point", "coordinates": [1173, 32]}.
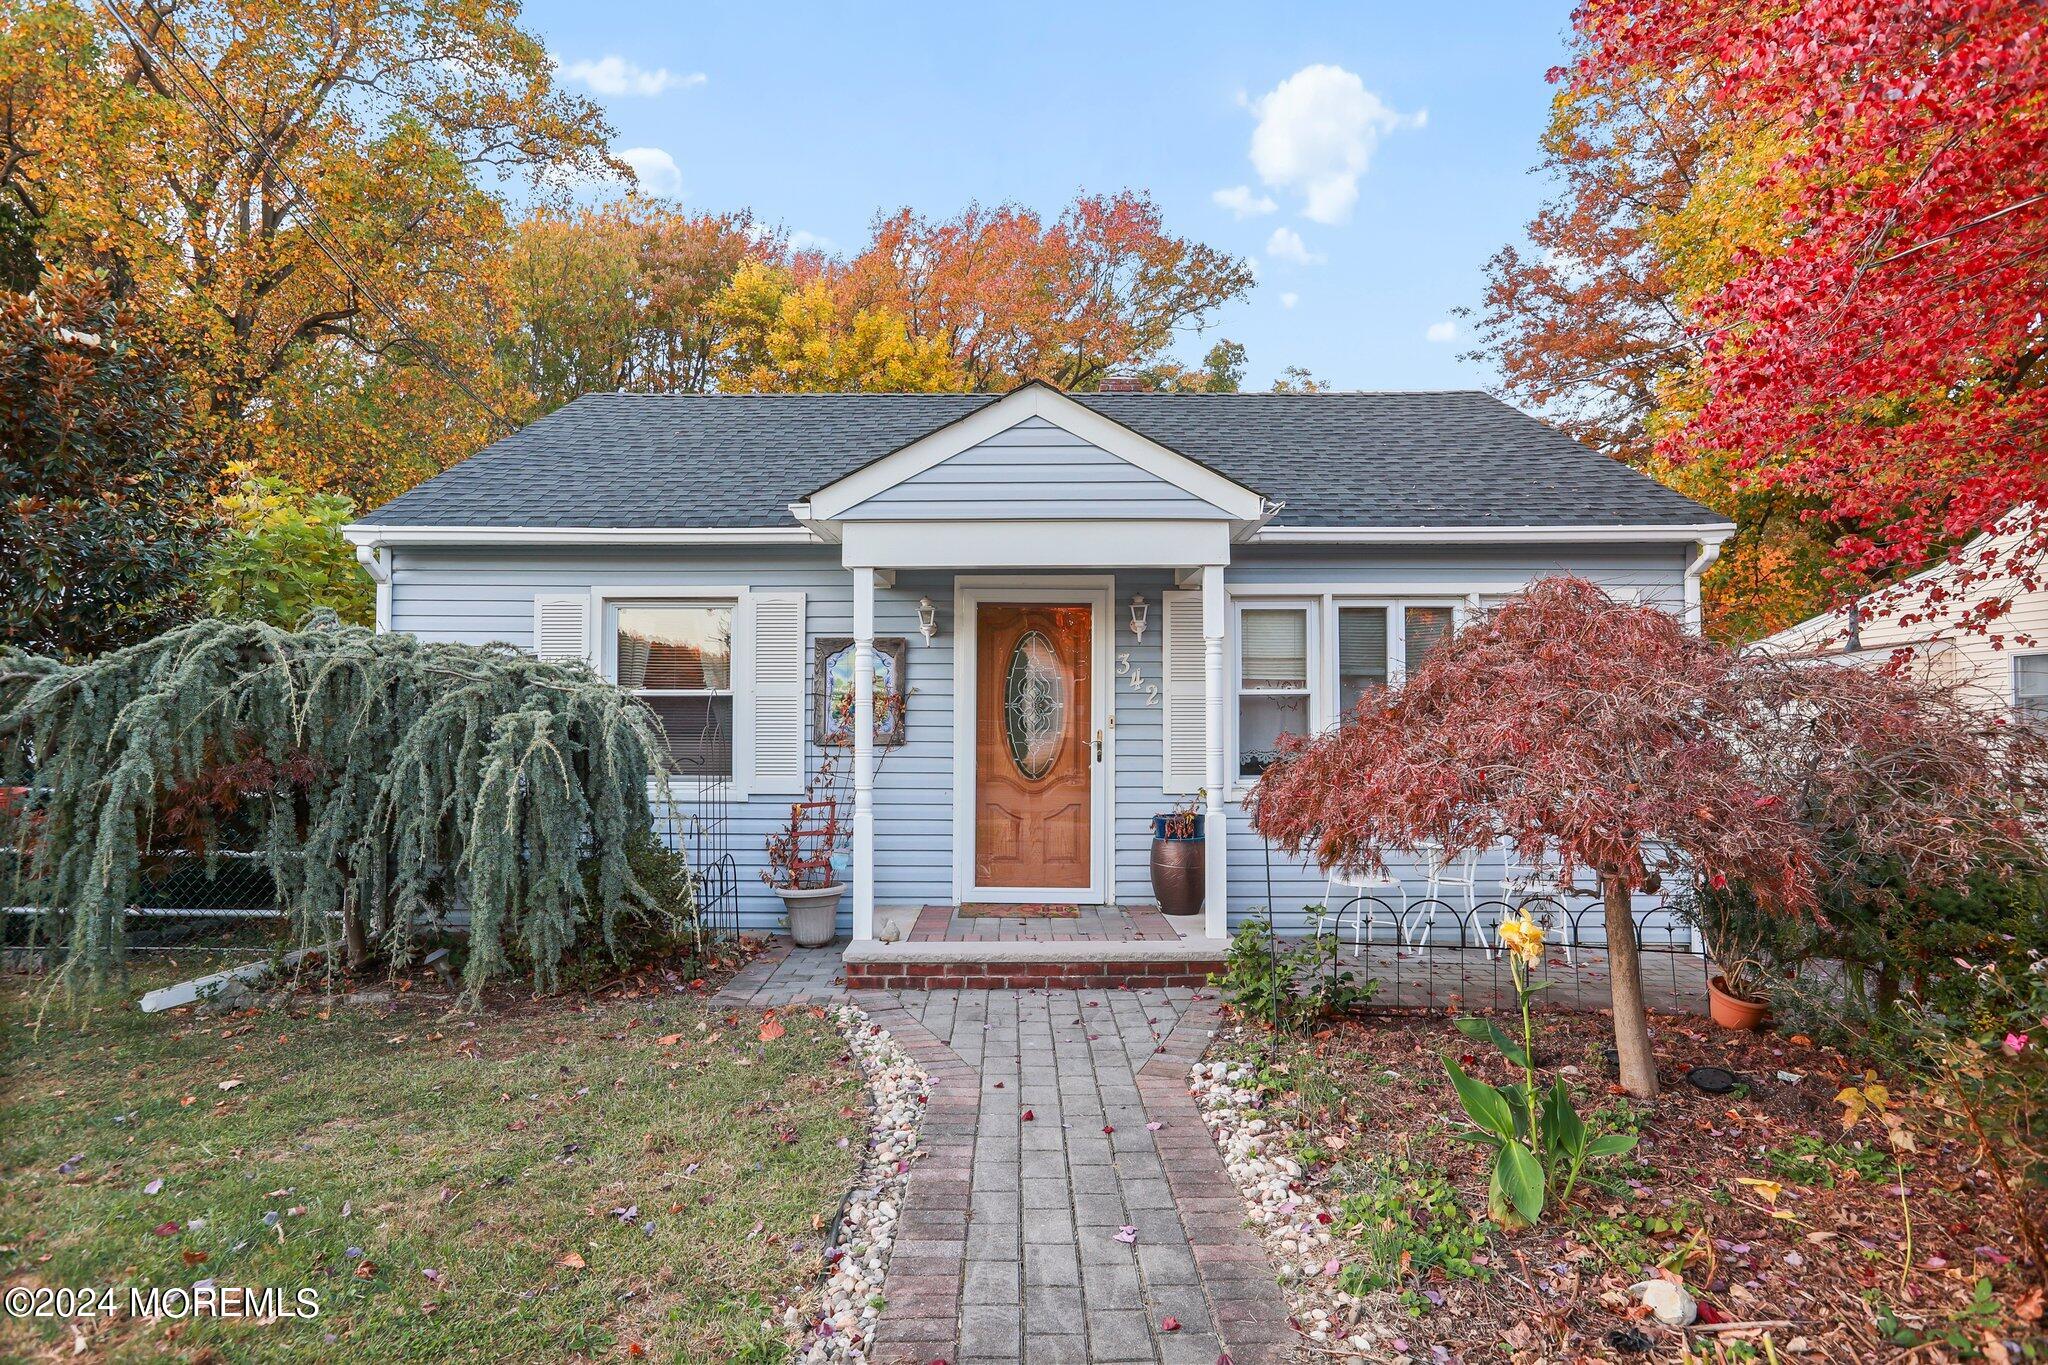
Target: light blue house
{"type": "Point", "coordinates": [1095, 606]}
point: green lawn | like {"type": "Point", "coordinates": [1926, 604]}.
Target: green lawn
{"type": "Point", "coordinates": [436, 1179]}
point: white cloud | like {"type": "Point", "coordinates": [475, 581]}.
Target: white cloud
{"type": "Point", "coordinates": [1446, 330]}
{"type": "Point", "coordinates": [1240, 200]}
{"type": "Point", "coordinates": [614, 75]}
{"type": "Point", "coordinates": [1289, 299]}
{"type": "Point", "coordinates": [1286, 244]}
{"type": "Point", "coordinates": [1316, 134]}
{"type": "Point", "coordinates": [800, 240]}
{"type": "Point", "coordinates": [657, 171]}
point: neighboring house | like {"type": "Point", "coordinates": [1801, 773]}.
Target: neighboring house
{"type": "Point", "coordinates": [1131, 596]}
{"type": "Point", "coordinates": [2003, 662]}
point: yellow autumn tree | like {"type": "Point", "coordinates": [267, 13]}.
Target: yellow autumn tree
{"type": "Point", "coordinates": [791, 336]}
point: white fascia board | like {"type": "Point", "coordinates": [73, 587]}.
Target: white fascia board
{"type": "Point", "coordinates": [1034, 544]}
{"type": "Point", "coordinates": [1711, 533]}
{"type": "Point", "coordinates": [1038, 400]}
{"type": "Point", "coordinates": [372, 535]}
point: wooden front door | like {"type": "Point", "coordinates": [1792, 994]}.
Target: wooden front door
{"type": "Point", "coordinates": [1034, 746]}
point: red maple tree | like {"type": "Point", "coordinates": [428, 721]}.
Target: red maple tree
{"type": "Point", "coordinates": [1569, 727]}
{"type": "Point", "coordinates": [1882, 354]}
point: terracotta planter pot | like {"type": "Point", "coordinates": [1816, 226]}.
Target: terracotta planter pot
{"type": "Point", "coordinates": [813, 913]}
{"type": "Point", "coordinates": [1732, 1011]}
{"type": "Point", "coordinates": [1178, 874]}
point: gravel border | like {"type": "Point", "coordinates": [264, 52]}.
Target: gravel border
{"type": "Point", "coordinates": [1294, 1224]}
{"type": "Point", "coordinates": [858, 1254]}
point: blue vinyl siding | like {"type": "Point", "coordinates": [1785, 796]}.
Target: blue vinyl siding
{"type": "Point", "coordinates": [477, 595]}
{"type": "Point", "coordinates": [1033, 469]}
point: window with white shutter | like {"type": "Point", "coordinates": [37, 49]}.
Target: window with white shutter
{"type": "Point", "coordinates": [561, 626]}
{"type": "Point", "coordinates": [778, 691]}
{"type": "Point", "coordinates": [678, 657]}
{"type": "Point", "coordinates": [1185, 715]}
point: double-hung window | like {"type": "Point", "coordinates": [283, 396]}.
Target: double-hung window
{"type": "Point", "coordinates": [2030, 684]}
{"type": "Point", "coordinates": [1275, 680]}
{"type": "Point", "coordinates": [1377, 642]}
{"type": "Point", "coordinates": [677, 656]}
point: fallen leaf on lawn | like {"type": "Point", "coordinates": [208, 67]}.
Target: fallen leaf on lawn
{"type": "Point", "coordinates": [2028, 1309]}
{"type": "Point", "coordinates": [771, 1029]}
{"type": "Point", "coordinates": [1767, 1190]}
{"type": "Point", "coordinates": [571, 1260]}
{"type": "Point", "coordinates": [366, 1270]}
{"type": "Point", "coordinates": [668, 1040]}
{"type": "Point", "coordinates": [153, 1187]}
{"type": "Point", "coordinates": [166, 1229]}
{"type": "Point", "coordinates": [194, 1257]}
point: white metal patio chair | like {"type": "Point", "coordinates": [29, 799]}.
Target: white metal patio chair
{"type": "Point", "coordinates": [1360, 898]}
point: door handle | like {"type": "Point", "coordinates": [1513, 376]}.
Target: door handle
{"type": "Point", "coordinates": [1098, 746]}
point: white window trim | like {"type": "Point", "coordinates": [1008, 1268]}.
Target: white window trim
{"type": "Point", "coordinates": [2018, 703]}
{"type": "Point", "coordinates": [1321, 602]}
{"type": "Point", "coordinates": [1311, 690]}
{"type": "Point", "coordinates": [604, 599]}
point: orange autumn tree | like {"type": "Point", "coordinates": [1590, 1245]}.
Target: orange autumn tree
{"type": "Point", "coordinates": [1659, 196]}
{"type": "Point", "coordinates": [1567, 726]}
{"type": "Point", "coordinates": [1012, 296]}
{"type": "Point", "coordinates": [215, 157]}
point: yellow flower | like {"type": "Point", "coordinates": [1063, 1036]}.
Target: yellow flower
{"type": "Point", "coordinates": [1524, 938]}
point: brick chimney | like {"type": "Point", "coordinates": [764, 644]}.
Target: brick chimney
{"type": "Point", "coordinates": [1120, 383]}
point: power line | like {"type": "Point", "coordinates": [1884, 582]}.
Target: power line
{"type": "Point", "coordinates": [310, 219]}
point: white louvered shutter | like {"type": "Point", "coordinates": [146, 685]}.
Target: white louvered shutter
{"type": "Point", "coordinates": [1185, 761]}
{"type": "Point", "coordinates": [561, 626]}
{"type": "Point", "coordinates": [778, 691]}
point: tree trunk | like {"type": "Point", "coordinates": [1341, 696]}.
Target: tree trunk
{"type": "Point", "coordinates": [1625, 973]}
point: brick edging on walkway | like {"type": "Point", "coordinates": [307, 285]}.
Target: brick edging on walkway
{"type": "Point", "coordinates": [1251, 1314]}
{"type": "Point", "coordinates": [922, 1286]}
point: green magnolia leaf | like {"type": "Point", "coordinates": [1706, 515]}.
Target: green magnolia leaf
{"type": "Point", "coordinates": [1486, 1031]}
{"type": "Point", "coordinates": [1487, 1106]}
{"type": "Point", "coordinates": [1610, 1144]}
{"type": "Point", "coordinates": [1520, 1179]}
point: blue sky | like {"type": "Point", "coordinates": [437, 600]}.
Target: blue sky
{"type": "Point", "coordinates": [1383, 149]}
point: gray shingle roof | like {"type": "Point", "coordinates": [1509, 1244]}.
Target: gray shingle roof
{"type": "Point", "coordinates": [1380, 460]}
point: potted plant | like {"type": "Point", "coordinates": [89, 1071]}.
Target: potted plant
{"type": "Point", "coordinates": [1178, 862]}
{"type": "Point", "coordinates": [800, 865]}
{"type": "Point", "coordinates": [1737, 934]}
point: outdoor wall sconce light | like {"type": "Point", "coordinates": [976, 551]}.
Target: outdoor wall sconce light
{"type": "Point", "coordinates": [927, 619]}
{"type": "Point", "coordinates": [1139, 612]}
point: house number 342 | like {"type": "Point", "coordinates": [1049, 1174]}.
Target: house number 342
{"type": "Point", "coordinates": [1126, 669]}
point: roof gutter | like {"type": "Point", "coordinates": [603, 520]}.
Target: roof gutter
{"type": "Point", "coordinates": [1706, 533]}
{"type": "Point", "coordinates": [371, 535]}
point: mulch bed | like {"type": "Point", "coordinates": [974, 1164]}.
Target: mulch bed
{"type": "Point", "coordinates": [1741, 1193]}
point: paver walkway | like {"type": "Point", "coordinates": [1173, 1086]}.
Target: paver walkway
{"type": "Point", "coordinates": [1008, 1245]}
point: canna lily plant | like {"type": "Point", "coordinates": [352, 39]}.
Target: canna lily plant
{"type": "Point", "coordinates": [1540, 1144]}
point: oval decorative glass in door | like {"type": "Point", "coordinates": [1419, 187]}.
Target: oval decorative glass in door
{"type": "Point", "coordinates": [1035, 705]}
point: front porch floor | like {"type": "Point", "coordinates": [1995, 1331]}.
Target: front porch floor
{"type": "Point", "coordinates": [1092, 923]}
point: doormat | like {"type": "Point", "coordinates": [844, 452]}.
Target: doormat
{"type": "Point", "coordinates": [993, 910]}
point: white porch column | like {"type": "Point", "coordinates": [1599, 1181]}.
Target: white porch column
{"type": "Point", "coordinates": [1216, 828]}
{"type": "Point", "coordinates": [863, 753]}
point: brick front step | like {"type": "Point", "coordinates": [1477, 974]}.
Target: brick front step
{"type": "Point", "coordinates": [1063, 965]}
